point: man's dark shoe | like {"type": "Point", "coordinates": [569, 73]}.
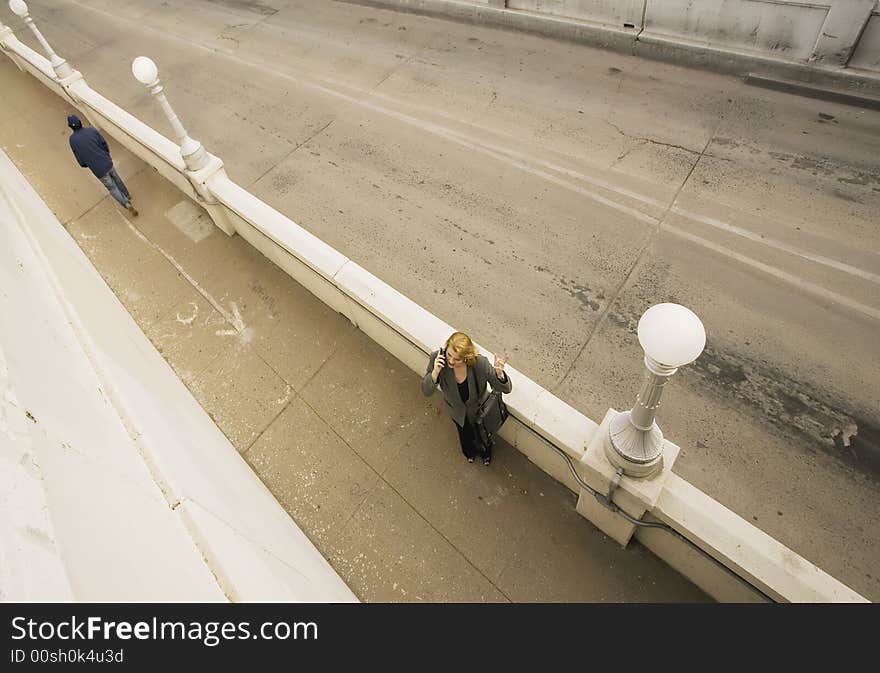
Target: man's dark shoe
{"type": "Point", "coordinates": [132, 210]}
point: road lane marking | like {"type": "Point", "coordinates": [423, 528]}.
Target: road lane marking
{"type": "Point", "coordinates": [805, 285]}
{"type": "Point", "coordinates": [779, 245]}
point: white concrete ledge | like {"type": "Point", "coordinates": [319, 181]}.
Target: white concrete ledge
{"type": "Point", "coordinates": [752, 554]}
{"type": "Point", "coordinates": [307, 248]}
{"type": "Point", "coordinates": [148, 499]}
{"type": "Point", "coordinates": [35, 64]}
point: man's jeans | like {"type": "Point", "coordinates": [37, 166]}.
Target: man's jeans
{"type": "Point", "coordinates": [116, 187]}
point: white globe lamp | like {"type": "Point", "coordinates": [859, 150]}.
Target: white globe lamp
{"type": "Point", "coordinates": [671, 336]}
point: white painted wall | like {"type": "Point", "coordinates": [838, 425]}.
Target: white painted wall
{"type": "Point", "coordinates": [31, 568]}
{"type": "Point", "coordinates": [86, 502]}
{"type": "Point", "coordinates": [784, 29]}
{"type": "Point", "coordinates": [811, 32]}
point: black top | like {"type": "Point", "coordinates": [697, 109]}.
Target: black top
{"type": "Point", "coordinates": [463, 391]}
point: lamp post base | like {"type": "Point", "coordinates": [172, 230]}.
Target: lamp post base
{"type": "Point", "coordinates": [638, 452]}
{"type": "Point", "coordinates": [61, 67]}
{"type": "Point", "coordinates": [193, 154]}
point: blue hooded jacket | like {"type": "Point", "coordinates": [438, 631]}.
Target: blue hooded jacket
{"type": "Point", "coordinates": [89, 148]}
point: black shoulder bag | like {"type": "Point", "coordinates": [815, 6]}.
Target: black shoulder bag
{"type": "Point", "coordinates": [490, 416]}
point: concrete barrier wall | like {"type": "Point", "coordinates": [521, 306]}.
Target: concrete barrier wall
{"type": "Point", "coordinates": [549, 432]}
{"type": "Point", "coordinates": [812, 42]}
{"type": "Point", "coordinates": [758, 562]}
{"type": "Point", "coordinates": [867, 53]}
{"type": "Point", "coordinates": [783, 29]}
{"type": "Point", "coordinates": [824, 32]}
{"type": "Point", "coordinates": [820, 31]}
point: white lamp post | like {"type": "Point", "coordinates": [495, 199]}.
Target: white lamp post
{"type": "Point", "coordinates": [671, 336]}
{"type": "Point", "coordinates": [59, 65]}
{"type": "Point", "coordinates": [145, 71]}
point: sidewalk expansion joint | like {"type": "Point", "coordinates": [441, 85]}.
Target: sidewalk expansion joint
{"type": "Point", "coordinates": [274, 418]}
{"type": "Point", "coordinates": [381, 478]}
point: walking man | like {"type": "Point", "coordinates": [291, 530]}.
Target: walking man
{"type": "Point", "coordinates": [91, 151]}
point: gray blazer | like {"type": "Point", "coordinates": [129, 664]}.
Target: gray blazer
{"type": "Point", "coordinates": [477, 377]}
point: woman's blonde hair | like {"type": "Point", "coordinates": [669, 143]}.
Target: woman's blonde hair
{"type": "Point", "coordinates": [461, 343]}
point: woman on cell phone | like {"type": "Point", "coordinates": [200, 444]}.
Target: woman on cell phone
{"type": "Point", "coordinates": [462, 375]}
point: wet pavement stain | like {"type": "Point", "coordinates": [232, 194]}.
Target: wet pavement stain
{"type": "Point", "coordinates": [793, 405]}
{"type": "Point", "coordinates": [726, 142]}
{"type": "Point", "coordinates": [583, 294]}
{"type": "Point", "coordinates": [846, 197]}
{"type": "Point", "coordinates": [730, 373]}
{"type": "Point", "coordinates": [861, 179]}
{"type": "Point", "coordinates": [827, 167]}
{"type": "Point", "coordinates": [254, 7]}
{"type": "Point", "coordinates": [846, 435]}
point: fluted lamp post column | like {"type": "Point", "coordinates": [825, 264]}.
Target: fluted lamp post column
{"type": "Point", "coordinates": [194, 155]}
{"type": "Point", "coordinates": [61, 67]}
{"type": "Point", "coordinates": [671, 336]}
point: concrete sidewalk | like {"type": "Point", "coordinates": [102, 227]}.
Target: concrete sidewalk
{"type": "Point", "coordinates": [337, 429]}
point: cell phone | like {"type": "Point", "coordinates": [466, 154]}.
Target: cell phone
{"type": "Point", "coordinates": [443, 353]}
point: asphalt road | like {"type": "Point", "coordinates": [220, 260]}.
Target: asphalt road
{"type": "Point", "coordinates": [541, 195]}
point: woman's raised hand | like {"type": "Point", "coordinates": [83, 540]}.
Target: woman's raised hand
{"type": "Point", "coordinates": [500, 361]}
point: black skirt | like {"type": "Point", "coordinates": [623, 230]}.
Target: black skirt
{"type": "Point", "coordinates": [471, 446]}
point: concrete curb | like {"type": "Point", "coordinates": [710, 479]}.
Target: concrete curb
{"type": "Point", "coordinates": [828, 83]}
{"type": "Point", "coordinates": [800, 89]}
